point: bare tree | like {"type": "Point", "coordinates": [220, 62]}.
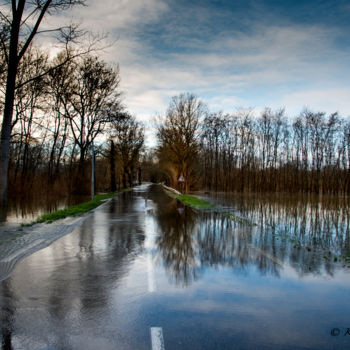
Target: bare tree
{"type": "Point", "coordinates": [309, 153]}
{"type": "Point", "coordinates": [29, 100]}
{"type": "Point", "coordinates": [59, 81]}
{"type": "Point", "coordinates": [128, 140]}
{"type": "Point", "coordinates": [178, 136]}
{"type": "Point", "coordinates": [92, 89]}
{"type": "Point", "coordinates": [19, 35]}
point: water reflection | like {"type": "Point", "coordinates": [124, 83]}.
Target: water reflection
{"type": "Point", "coordinates": [310, 234]}
{"type": "Point", "coordinates": [310, 220]}
{"type": "Point", "coordinates": [310, 237]}
{"type": "Point", "coordinates": [176, 242]}
{"type": "Point", "coordinates": [26, 208]}
{"type": "Point", "coordinates": [88, 290]}
{"type": "Point", "coordinates": [7, 313]}
{"type": "Point", "coordinates": [70, 284]}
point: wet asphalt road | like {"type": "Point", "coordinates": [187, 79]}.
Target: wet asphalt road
{"type": "Point", "coordinates": [142, 272]}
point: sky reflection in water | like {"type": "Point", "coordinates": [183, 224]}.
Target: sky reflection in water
{"type": "Point", "coordinates": [218, 284]}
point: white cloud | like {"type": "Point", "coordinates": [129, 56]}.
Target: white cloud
{"type": "Point", "coordinates": [234, 73]}
{"type": "Point", "coordinates": [111, 15]}
{"type": "Point", "coordinates": [325, 100]}
{"type": "Point", "coordinates": [148, 103]}
{"type": "Point", "coordinates": [226, 103]}
{"type": "Point", "coordinates": [277, 65]}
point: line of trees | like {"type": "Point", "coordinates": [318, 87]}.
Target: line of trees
{"type": "Point", "coordinates": [241, 152]}
{"type": "Point", "coordinates": [19, 24]}
{"type": "Point", "coordinates": [125, 150]}
{"type": "Point", "coordinates": [55, 109]}
{"type": "Point", "coordinates": [58, 117]}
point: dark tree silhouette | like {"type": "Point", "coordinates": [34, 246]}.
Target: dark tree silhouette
{"type": "Point", "coordinates": [19, 35]}
{"type": "Point", "coordinates": [178, 138]}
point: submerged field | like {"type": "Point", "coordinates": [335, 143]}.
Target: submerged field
{"type": "Point", "coordinates": [145, 261]}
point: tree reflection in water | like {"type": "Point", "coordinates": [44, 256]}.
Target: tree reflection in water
{"type": "Point", "coordinates": [7, 312]}
{"type": "Point", "coordinates": [311, 237]}
{"type": "Point", "coordinates": [177, 243]}
{"type": "Point", "coordinates": [72, 285]}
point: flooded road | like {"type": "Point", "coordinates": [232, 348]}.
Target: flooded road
{"type": "Point", "coordinates": [144, 272]}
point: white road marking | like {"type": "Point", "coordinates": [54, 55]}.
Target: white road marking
{"type": "Point", "coordinates": [151, 282]}
{"type": "Point", "coordinates": [157, 338]}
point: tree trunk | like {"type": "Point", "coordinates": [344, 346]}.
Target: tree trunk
{"type": "Point", "coordinates": [8, 108]}
{"type": "Point", "coordinates": [124, 178]}
{"type": "Point", "coordinates": [139, 175]}
{"type": "Point", "coordinates": [131, 177]}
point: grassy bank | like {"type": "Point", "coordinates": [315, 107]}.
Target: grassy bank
{"type": "Point", "coordinates": [75, 210]}
{"type": "Point", "coordinates": [191, 201]}
{"type": "Point", "coordinates": [240, 220]}
{"type": "Point", "coordinates": [195, 202]}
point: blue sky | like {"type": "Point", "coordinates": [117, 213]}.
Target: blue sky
{"type": "Point", "coordinates": [232, 54]}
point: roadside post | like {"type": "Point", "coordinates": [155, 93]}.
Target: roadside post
{"type": "Point", "coordinates": [92, 171]}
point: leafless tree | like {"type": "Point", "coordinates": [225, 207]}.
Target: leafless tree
{"type": "Point", "coordinates": [127, 138]}
{"type": "Point", "coordinates": [178, 137]}
{"type": "Point", "coordinates": [17, 36]}
{"type": "Point", "coordinates": [88, 92]}
{"type": "Point", "coordinates": [239, 152]}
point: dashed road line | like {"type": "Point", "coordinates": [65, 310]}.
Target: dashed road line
{"type": "Point", "coordinates": [157, 338]}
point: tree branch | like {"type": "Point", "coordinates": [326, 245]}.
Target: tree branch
{"type": "Point", "coordinates": [68, 59]}
{"type": "Point", "coordinates": [4, 17]}
{"type": "Point", "coordinates": [51, 30]}
{"type": "Point", "coordinates": [30, 15]}
{"type": "Point", "coordinates": [4, 48]}
{"type": "Point", "coordinates": [34, 30]}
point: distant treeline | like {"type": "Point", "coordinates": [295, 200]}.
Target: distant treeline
{"type": "Point", "coordinates": [241, 152]}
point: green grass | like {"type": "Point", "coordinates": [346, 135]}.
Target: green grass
{"type": "Point", "coordinates": [75, 210]}
{"type": "Point", "coordinates": [239, 219]}
{"type": "Point", "coordinates": [195, 202]}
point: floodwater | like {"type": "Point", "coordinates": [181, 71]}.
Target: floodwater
{"type": "Point", "coordinates": [144, 272]}
{"type": "Point", "coordinates": [28, 208]}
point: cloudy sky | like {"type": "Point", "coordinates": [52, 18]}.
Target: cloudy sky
{"type": "Point", "coordinates": [241, 53]}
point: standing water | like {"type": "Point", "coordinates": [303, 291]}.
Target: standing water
{"type": "Point", "coordinates": [144, 272]}
{"type": "Point", "coordinates": [26, 209]}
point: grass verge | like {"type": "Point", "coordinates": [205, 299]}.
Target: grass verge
{"type": "Point", "coordinates": [75, 210]}
{"type": "Point", "coordinates": [239, 219]}
{"type": "Point", "coordinates": [195, 202]}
